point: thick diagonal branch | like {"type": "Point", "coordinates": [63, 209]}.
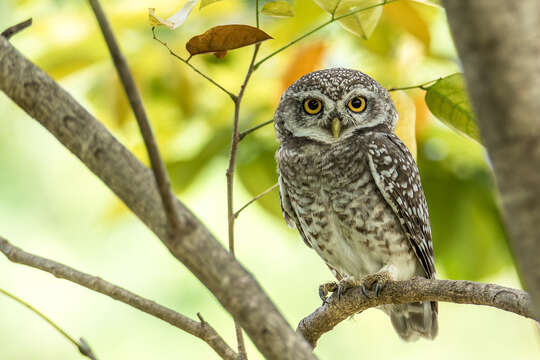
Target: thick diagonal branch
{"type": "Point", "coordinates": [201, 329]}
{"type": "Point", "coordinates": [354, 301]}
{"type": "Point", "coordinates": [44, 100]}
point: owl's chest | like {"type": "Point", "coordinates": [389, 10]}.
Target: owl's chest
{"type": "Point", "coordinates": [340, 209]}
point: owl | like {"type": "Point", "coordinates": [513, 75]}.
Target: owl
{"type": "Point", "coordinates": [352, 189]}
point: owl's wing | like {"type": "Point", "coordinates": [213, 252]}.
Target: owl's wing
{"type": "Point", "coordinates": [288, 212]}
{"type": "Point", "coordinates": [396, 175]}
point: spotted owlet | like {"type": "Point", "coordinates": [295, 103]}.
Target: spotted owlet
{"type": "Point", "coordinates": [352, 189]}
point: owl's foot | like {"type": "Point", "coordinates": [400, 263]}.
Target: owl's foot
{"type": "Point", "coordinates": [340, 287]}
{"type": "Point", "coordinates": [325, 289]}
{"type": "Point", "coordinates": [375, 282]}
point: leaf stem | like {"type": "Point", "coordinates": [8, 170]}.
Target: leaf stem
{"type": "Point", "coordinates": [332, 19]}
{"type": "Point", "coordinates": [186, 61]}
{"type": "Point", "coordinates": [420, 86]}
{"type": "Point", "coordinates": [82, 347]}
{"type": "Point", "coordinates": [255, 199]}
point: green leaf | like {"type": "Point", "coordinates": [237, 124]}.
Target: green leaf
{"type": "Point", "coordinates": [362, 23]}
{"type": "Point", "coordinates": [279, 8]}
{"type": "Point", "coordinates": [447, 99]}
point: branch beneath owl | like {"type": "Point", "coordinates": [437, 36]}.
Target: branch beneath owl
{"type": "Point", "coordinates": [135, 100]}
{"type": "Point", "coordinates": [200, 329]}
{"type": "Point", "coordinates": [326, 317]}
{"type": "Point", "coordinates": [57, 111]}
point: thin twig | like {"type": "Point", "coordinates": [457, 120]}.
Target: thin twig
{"type": "Point", "coordinates": [230, 182]}
{"type": "Point", "coordinates": [12, 30]}
{"type": "Point", "coordinates": [257, 13]}
{"type": "Point", "coordinates": [186, 61]}
{"type": "Point", "coordinates": [255, 199]}
{"type": "Point", "coordinates": [82, 346]}
{"type": "Point", "coordinates": [201, 329]}
{"type": "Point", "coordinates": [332, 19]}
{"type": "Point", "coordinates": [420, 86]}
{"type": "Point", "coordinates": [334, 311]}
{"type": "Point", "coordinates": [250, 130]}
{"type": "Point", "coordinates": [122, 68]}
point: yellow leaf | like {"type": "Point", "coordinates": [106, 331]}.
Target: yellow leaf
{"type": "Point", "coordinates": [205, 3]}
{"type": "Point", "coordinates": [404, 14]}
{"type": "Point", "coordinates": [362, 23]}
{"type": "Point", "coordinates": [279, 8]}
{"type": "Point", "coordinates": [221, 38]}
{"type": "Point", "coordinates": [174, 20]}
{"type": "Point", "coordinates": [405, 128]}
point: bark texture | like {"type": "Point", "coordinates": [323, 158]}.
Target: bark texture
{"type": "Point", "coordinates": [327, 316]}
{"type": "Point", "coordinates": [44, 100]}
{"type": "Point", "coordinates": [499, 44]}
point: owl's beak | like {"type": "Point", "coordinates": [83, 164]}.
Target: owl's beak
{"type": "Point", "coordinates": [336, 127]}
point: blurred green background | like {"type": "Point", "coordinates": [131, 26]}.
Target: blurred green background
{"type": "Point", "coordinates": [52, 205]}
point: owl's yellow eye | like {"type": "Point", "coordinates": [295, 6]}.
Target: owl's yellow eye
{"type": "Point", "coordinates": [358, 104]}
{"type": "Point", "coordinates": [312, 106]}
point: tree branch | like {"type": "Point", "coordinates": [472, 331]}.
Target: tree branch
{"type": "Point", "coordinates": [255, 199]}
{"type": "Point", "coordinates": [256, 127]}
{"type": "Point", "coordinates": [322, 320]}
{"type": "Point", "coordinates": [499, 45]}
{"type": "Point", "coordinates": [212, 81]}
{"type": "Point", "coordinates": [332, 19]}
{"type": "Point", "coordinates": [201, 329]}
{"type": "Point", "coordinates": [122, 68]}
{"type": "Point", "coordinates": [230, 182]}
{"type": "Point", "coordinates": [44, 100]}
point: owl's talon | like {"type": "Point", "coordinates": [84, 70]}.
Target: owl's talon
{"type": "Point", "coordinates": [364, 290]}
{"type": "Point", "coordinates": [325, 289]}
{"type": "Point", "coordinates": [346, 284]}
{"type": "Point", "coordinates": [378, 280]}
{"type": "Point", "coordinates": [378, 288]}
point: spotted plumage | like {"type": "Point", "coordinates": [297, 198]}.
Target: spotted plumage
{"type": "Point", "coordinates": [351, 187]}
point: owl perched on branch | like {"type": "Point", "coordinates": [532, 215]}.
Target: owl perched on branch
{"type": "Point", "coordinates": [352, 189]}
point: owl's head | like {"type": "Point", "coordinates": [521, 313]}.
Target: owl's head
{"type": "Point", "coordinates": [329, 105]}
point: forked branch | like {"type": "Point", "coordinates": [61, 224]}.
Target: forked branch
{"type": "Point", "coordinates": [135, 100]}
{"type": "Point", "coordinates": [201, 329]}
{"type": "Point", "coordinates": [43, 99]}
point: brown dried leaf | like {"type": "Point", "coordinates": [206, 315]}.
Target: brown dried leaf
{"type": "Point", "coordinates": [225, 37]}
{"type": "Point", "coordinates": [220, 54]}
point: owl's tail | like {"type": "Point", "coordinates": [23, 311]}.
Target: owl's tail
{"type": "Point", "coordinates": [415, 320]}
